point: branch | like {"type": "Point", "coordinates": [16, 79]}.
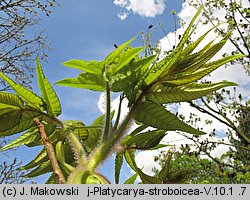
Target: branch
{"type": "Point", "coordinates": [230, 123]}
{"type": "Point", "coordinates": [59, 177]}
{"type": "Point", "coordinates": [238, 29]}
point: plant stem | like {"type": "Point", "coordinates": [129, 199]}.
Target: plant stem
{"type": "Point", "coordinates": [108, 111]}
{"type": "Point", "coordinates": [59, 177]}
{"type": "Point", "coordinates": [119, 112]}
{"type": "Point", "coordinates": [101, 153]}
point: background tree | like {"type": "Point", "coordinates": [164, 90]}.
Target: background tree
{"type": "Point", "coordinates": [20, 42]}
{"type": "Point", "coordinates": [9, 173]}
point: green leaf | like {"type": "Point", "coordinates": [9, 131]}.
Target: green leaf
{"type": "Point", "coordinates": [131, 180]}
{"type": "Point", "coordinates": [146, 179]}
{"type": "Point", "coordinates": [9, 120]}
{"type": "Point", "coordinates": [129, 155]}
{"type": "Point", "coordinates": [25, 138]}
{"type": "Point", "coordinates": [26, 95]}
{"type": "Point", "coordinates": [185, 78]}
{"type": "Point", "coordinates": [166, 168]}
{"type": "Point", "coordinates": [40, 158]}
{"type": "Point", "coordinates": [159, 146]}
{"type": "Point", "coordinates": [162, 68]}
{"type": "Point", "coordinates": [178, 177]}
{"type": "Point", "coordinates": [85, 80]}
{"type": "Point", "coordinates": [190, 48]}
{"type": "Point", "coordinates": [92, 67]}
{"type": "Point", "coordinates": [123, 59]}
{"type": "Point", "coordinates": [127, 77]}
{"type": "Point", "coordinates": [111, 57]}
{"type": "Point", "coordinates": [78, 127]}
{"type": "Point", "coordinates": [167, 94]}
{"type": "Point", "coordinates": [10, 100]}
{"type": "Point", "coordinates": [40, 170]}
{"type": "Point", "coordinates": [136, 131]}
{"type": "Point", "coordinates": [17, 122]}
{"type": "Point", "coordinates": [52, 133]}
{"type": "Point", "coordinates": [51, 179]}
{"type": "Point", "coordinates": [147, 140]}
{"type": "Point", "coordinates": [187, 34]}
{"type": "Point", "coordinates": [157, 116]}
{"type": "Point", "coordinates": [94, 135]}
{"type": "Point", "coordinates": [118, 166]}
{"type": "Point", "coordinates": [205, 55]}
{"type": "Point", "coordinates": [6, 109]}
{"type": "Point", "coordinates": [48, 94]}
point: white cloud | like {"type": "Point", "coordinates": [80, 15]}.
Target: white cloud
{"type": "Point", "coordinates": [121, 3]}
{"type": "Point", "coordinates": [145, 161]}
{"type": "Point", "coordinates": [123, 15]}
{"type": "Point", "coordinates": [144, 8]}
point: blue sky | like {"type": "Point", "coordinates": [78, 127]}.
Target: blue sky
{"type": "Point", "coordinates": [83, 29]}
{"type": "Point", "coordinates": [88, 30]}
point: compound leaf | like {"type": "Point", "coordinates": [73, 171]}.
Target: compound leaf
{"type": "Point", "coordinates": [167, 94]}
{"type": "Point", "coordinates": [157, 116]}
{"type": "Point", "coordinates": [48, 94]}
{"type": "Point", "coordinates": [84, 80]}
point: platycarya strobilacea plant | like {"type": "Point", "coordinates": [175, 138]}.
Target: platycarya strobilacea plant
{"type": "Point", "coordinates": [72, 151]}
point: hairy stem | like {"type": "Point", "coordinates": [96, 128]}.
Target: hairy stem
{"type": "Point", "coordinates": [101, 153]}
{"type": "Point", "coordinates": [77, 148]}
{"type": "Point", "coordinates": [119, 112]}
{"type": "Point", "coordinates": [59, 177]}
{"type": "Point", "coordinates": [108, 115]}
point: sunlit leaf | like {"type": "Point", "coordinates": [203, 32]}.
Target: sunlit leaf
{"type": "Point", "coordinates": [157, 116]}
{"type": "Point", "coordinates": [129, 155]}
{"type": "Point", "coordinates": [84, 80]}
{"type": "Point", "coordinates": [10, 100]}
{"type": "Point", "coordinates": [128, 77]}
{"type": "Point", "coordinates": [167, 94]}
{"type": "Point", "coordinates": [111, 57]}
{"type": "Point", "coordinates": [92, 67]}
{"type": "Point", "coordinates": [123, 59]}
{"type": "Point", "coordinates": [26, 95]}
{"type": "Point", "coordinates": [48, 94]}
{"type": "Point", "coordinates": [162, 68]}
{"type": "Point", "coordinates": [185, 78]}
{"type": "Point", "coordinates": [25, 138]}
